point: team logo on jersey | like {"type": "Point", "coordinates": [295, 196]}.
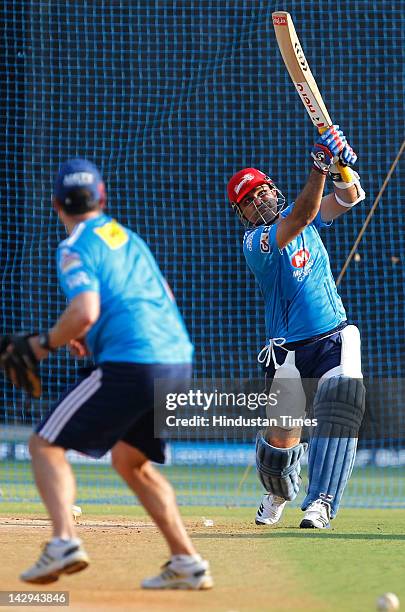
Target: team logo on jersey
{"type": "Point", "coordinates": [113, 234]}
{"type": "Point", "coordinates": [300, 258]}
{"type": "Point", "coordinates": [77, 280]}
{"type": "Point", "coordinates": [248, 241]}
{"type": "Point", "coordinates": [69, 260]}
{"type": "Point", "coordinates": [264, 242]}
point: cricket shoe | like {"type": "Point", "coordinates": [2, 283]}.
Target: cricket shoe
{"type": "Point", "coordinates": [192, 575]}
{"type": "Point", "coordinates": [66, 557]}
{"type": "Point", "coordinates": [270, 510]}
{"type": "Point", "coordinates": [317, 515]}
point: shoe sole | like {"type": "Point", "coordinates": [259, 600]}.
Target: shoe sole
{"type": "Point", "coordinates": [265, 524]}
{"type": "Point", "coordinates": [71, 568]}
{"type": "Point", "coordinates": [205, 585]}
{"type": "Point", "coordinates": [307, 524]}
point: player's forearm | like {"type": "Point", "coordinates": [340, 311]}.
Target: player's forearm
{"type": "Point", "coordinates": [73, 323]}
{"type": "Point", "coordinates": [349, 195]}
{"type": "Point", "coordinates": [70, 325]}
{"type": "Point", "coordinates": [82, 312]}
{"type": "Point", "coordinates": [308, 202]}
{"type": "Point", "coordinates": [76, 320]}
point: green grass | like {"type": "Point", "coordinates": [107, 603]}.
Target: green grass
{"type": "Point", "coordinates": [221, 485]}
{"type": "Point", "coordinates": [343, 569]}
{"type": "Point", "coordinates": [348, 566]}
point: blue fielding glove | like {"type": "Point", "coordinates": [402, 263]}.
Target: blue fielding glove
{"type": "Point", "coordinates": [327, 149]}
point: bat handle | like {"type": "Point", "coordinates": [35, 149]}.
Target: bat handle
{"type": "Point", "coordinates": [345, 173]}
{"type": "Point", "coordinates": [344, 170]}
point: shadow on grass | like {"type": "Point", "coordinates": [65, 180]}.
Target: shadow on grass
{"type": "Point", "coordinates": [303, 534]}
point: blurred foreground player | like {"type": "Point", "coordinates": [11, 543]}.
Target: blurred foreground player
{"type": "Point", "coordinates": [120, 311]}
{"type": "Point", "coordinates": [307, 332]}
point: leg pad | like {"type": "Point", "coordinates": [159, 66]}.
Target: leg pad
{"type": "Point", "coordinates": [279, 468]}
{"type": "Point", "coordinates": [339, 408]}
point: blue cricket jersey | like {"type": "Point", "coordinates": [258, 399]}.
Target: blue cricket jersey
{"type": "Point", "coordinates": [301, 299]}
{"type": "Point", "coordinates": [139, 321]}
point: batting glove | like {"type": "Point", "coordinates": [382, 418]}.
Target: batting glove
{"type": "Point", "coordinates": [327, 149]}
{"type": "Point", "coordinates": [347, 158]}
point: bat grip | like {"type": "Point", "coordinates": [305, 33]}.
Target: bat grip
{"type": "Point", "coordinates": [344, 170]}
{"type": "Point", "coordinates": [345, 173]}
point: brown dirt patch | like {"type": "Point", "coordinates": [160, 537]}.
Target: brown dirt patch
{"type": "Point", "coordinates": [248, 577]}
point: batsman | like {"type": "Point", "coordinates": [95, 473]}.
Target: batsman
{"type": "Point", "coordinates": [308, 335]}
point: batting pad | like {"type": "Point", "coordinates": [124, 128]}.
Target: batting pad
{"type": "Point", "coordinates": [279, 468]}
{"type": "Point", "coordinates": [339, 409]}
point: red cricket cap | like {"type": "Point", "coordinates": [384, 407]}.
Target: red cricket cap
{"type": "Point", "coordinates": [244, 181]}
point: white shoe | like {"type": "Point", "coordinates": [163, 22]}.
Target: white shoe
{"type": "Point", "coordinates": [56, 559]}
{"type": "Point", "coordinates": [270, 510]}
{"type": "Point", "coordinates": [194, 575]}
{"type": "Point", "coordinates": [317, 515]}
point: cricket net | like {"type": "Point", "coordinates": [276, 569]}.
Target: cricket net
{"type": "Point", "coordinates": [169, 99]}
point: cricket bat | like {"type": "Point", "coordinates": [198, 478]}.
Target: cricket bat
{"type": "Point", "coordinates": [302, 77]}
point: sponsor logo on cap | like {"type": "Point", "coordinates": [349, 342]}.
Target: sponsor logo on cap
{"type": "Point", "coordinates": [245, 179]}
{"type": "Point", "coordinates": [78, 178]}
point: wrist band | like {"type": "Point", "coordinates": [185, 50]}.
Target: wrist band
{"type": "Point", "coordinates": [336, 178]}
{"type": "Point", "coordinates": [43, 340]}
{"type": "Point", "coordinates": [361, 196]}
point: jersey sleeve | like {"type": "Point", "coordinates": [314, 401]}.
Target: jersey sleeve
{"type": "Point", "coordinates": [287, 210]}
{"type": "Point", "coordinates": [319, 223]}
{"type": "Point", "coordinates": [75, 274]}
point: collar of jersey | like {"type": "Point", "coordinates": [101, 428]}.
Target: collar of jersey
{"type": "Point", "coordinates": [78, 229]}
{"type": "Point", "coordinates": [89, 222]}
